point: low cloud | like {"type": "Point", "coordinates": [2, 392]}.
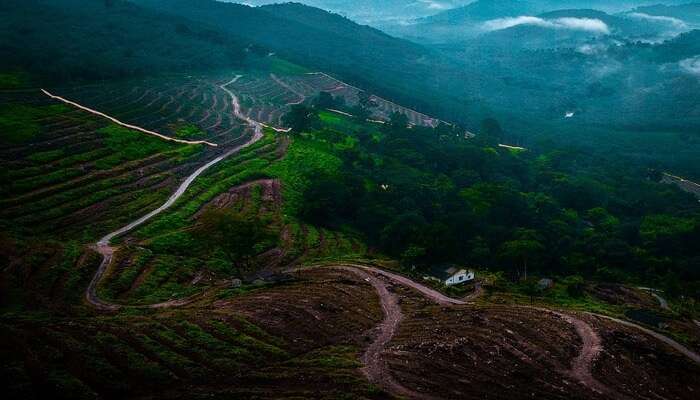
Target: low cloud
{"type": "Point", "coordinates": [691, 65]}
{"type": "Point", "coordinates": [592, 49]}
{"type": "Point", "coordinates": [674, 22]}
{"type": "Point", "coordinates": [435, 5]}
{"type": "Point", "coordinates": [578, 24]}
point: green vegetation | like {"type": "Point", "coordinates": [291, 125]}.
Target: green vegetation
{"type": "Point", "coordinates": [470, 202]}
{"type": "Point", "coordinates": [188, 131]}
{"type": "Point", "coordinates": [13, 80]}
{"type": "Point", "coordinates": [70, 46]}
{"type": "Point", "coordinates": [306, 160]}
{"type": "Point", "coordinates": [129, 145]}
{"type": "Point", "coordinates": [18, 123]}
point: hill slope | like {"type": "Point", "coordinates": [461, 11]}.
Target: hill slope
{"type": "Point", "coordinates": [94, 39]}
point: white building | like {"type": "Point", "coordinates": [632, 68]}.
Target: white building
{"type": "Point", "coordinates": [450, 276]}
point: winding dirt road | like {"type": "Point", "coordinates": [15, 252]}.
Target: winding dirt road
{"type": "Point", "coordinates": [124, 124]}
{"type": "Point", "coordinates": [672, 343]}
{"type": "Point", "coordinates": [591, 348]}
{"type": "Point", "coordinates": [378, 373]}
{"type": "Point", "coordinates": [375, 368]}
{"type": "Point", "coordinates": [654, 293]}
{"type": "Point", "coordinates": [107, 251]}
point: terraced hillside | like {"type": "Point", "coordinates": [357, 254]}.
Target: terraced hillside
{"type": "Point", "coordinates": [256, 343]}
{"type": "Point", "coordinates": [177, 317]}
{"type": "Point", "coordinates": [73, 176]}
{"type": "Point", "coordinates": [181, 106]}
{"type": "Point", "coordinates": [267, 97]}
{"type": "Point", "coordinates": [70, 170]}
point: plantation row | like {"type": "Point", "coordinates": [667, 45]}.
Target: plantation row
{"type": "Point", "coordinates": [263, 98]}
{"type": "Point", "coordinates": [266, 98]}
{"type": "Point", "coordinates": [147, 356]}
{"type": "Point", "coordinates": [74, 169]}
{"type": "Point", "coordinates": [223, 350]}
{"type": "Point", "coordinates": [167, 262]}
{"type": "Point", "coordinates": [380, 108]}
{"type": "Point", "coordinates": [193, 108]}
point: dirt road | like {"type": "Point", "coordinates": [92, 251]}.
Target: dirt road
{"type": "Point", "coordinates": [107, 252]}
{"type": "Point", "coordinates": [375, 368]}
{"type": "Point", "coordinates": [654, 292]}
{"type": "Point", "coordinates": [591, 347]}
{"type": "Point", "coordinates": [672, 343]}
{"type": "Point", "coordinates": [581, 367]}
{"type": "Point", "coordinates": [432, 294]}
{"type": "Point", "coordinates": [124, 124]}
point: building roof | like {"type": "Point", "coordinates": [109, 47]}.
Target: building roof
{"type": "Point", "coordinates": [445, 271]}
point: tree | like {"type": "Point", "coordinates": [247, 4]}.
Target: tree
{"type": "Point", "coordinates": [491, 131]}
{"type": "Point", "coordinates": [531, 288]}
{"type": "Point", "coordinates": [360, 112]}
{"type": "Point", "coordinates": [523, 248]}
{"type": "Point", "coordinates": [397, 122]}
{"type": "Point", "coordinates": [325, 100]}
{"type": "Point", "coordinates": [238, 236]}
{"type": "Point", "coordinates": [412, 255]}
{"type": "Point", "coordinates": [299, 118]}
{"type": "Point", "coordinates": [576, 286]}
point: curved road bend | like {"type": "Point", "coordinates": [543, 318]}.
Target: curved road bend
{"type": "Point", "coordinates": [581, 365]}
{"type": "Point", "coordinates": [375, 368]}
{"type": "Point", "coordinates": [378, 373]}
{"type": "Point", "coordinates": [103, 247]}
{"type": "Point", "coordinates": [444, 300]}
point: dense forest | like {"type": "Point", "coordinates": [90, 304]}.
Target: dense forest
{"type": "Point", "coordinates": [428, 196]}
{"type": "Point", "coordinates": [91, 40]}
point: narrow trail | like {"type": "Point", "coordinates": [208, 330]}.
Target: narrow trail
{"type": "Point", "coordinates": [375, 368]}
{"type": "Point", "coordinates": [581, 367]}
{"type": "Point", "coordinates": [670, 342]}
{"type": "Point", "coordinates": [103, 247]}
{"type": "Point", "coordinates": [124, 124]}
{"type": "Point", "coordinates": [582, 364]}
{"type": "Point", "coordinates": [591, 348]}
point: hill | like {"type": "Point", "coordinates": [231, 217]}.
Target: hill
{"type": "Point", "coordinates": [395, 68]}
{"type": "Point", "coordinates": [689, 13]}
{"type": "Point", "coordinates": [94, 39]}
{"type": "Point", "coordinates": [375, 12]}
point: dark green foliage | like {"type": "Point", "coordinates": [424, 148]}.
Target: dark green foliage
{"type": "Point", "coordinates": [300, 118]}
{"type": "Point", "coordinates": [91, 39]}
{"type": "Point", "coordinates": [424, 197]}
{"type": "Point", "coordinates": [238, 236]}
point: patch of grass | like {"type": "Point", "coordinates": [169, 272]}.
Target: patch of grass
{"type": "Point", "coordinates": [167, 278]}
{"type": "Point", "coordinates": [331, 358]}
{"type": "Point", "coordinates": [284, 67]}
{"type": "Point", "coordinates": [19, 122]}
{"type": "Point", "coordinates": [131, 145]}
{"type": "Point", "coordinates": [13, 80]}
{"type": "Point", "coordinates": [46, 156]}
{"type": "Point", "coordinates": [188, 131]}
{"type": "Point", "coordinates": [305, 160]}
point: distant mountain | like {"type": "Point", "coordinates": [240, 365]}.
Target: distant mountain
{"type": "Point", "coordinates": [489, 15]}
{"type": "Point", "coordinates": [685, 46]}
{"type": "Point", "coordinates": [689, 13]}
{"type": "Point", "coordinates": [373, 11]}
{"type": "Point", "coordinates": [482, 10]}
{"type": "Point", "coordinates": [362, 55]}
